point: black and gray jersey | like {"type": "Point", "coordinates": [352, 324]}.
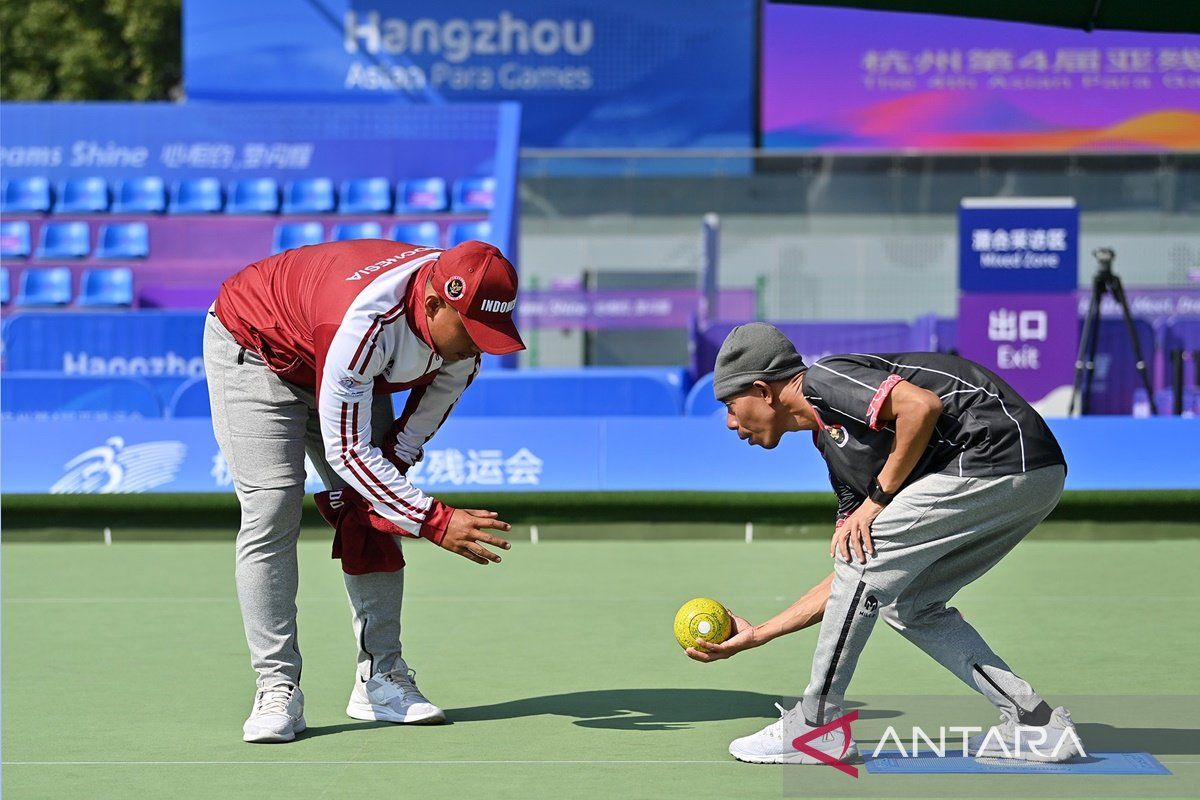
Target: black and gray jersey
{"type": "Point", "coordinates": [985, 430]}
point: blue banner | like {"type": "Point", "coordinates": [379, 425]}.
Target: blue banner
{"type": "Point", "coordinates": [1020, 244]}
{"type": "Point", "coordinates": [527, 454]}
{"type": "Point", "coordinates": [619, 73]}
{"type": "Point", "coordinates": [283, 141]}
{"type": "Point", "coordinates": [107, 343]}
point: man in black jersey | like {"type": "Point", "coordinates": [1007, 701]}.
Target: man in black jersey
{"type": "Point", "coordinates": [940, 469]}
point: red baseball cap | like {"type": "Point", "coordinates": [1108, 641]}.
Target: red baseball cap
{"type": "Point", "coordinates": [478, 282]}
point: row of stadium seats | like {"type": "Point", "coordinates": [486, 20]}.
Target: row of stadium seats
{"type": "Point", "coordinates": [51, 286]}
{"type": "Point", "coordinates": [289, 235]}
{"type": "Point", "coordinates": [131, 240]}
{"type": "Point", "coordinates": [554, 393]}
{"type": "Point", "coordinates": [149, 195]}
{"type": "Point", "coordinates": [58, 240]}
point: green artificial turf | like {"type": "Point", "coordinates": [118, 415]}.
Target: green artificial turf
{"type": "Point", "coordinates": [125, 673]}
{"type": "Point", "coordinates": [621, 514]}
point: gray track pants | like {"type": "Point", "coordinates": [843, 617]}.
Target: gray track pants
{"type": "Point", "coordinates": [264, 425]}
{"type": "Point", "coordinates": [938, 535]}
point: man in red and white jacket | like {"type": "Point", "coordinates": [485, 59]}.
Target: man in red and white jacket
{"type": "Point", "coordinates": [303, 351]}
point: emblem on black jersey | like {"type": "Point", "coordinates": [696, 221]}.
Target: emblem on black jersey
{"type": "Point", "coordinates": [455, 287]}
{"type": "Point", "coordinates": [837, 434]}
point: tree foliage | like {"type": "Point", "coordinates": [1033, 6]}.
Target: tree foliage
{"type": "Point", "coordinates": [89, 49]}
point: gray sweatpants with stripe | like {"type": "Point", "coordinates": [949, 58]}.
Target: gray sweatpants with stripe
{"type": "Point", "coordinates": [264, 425]}
{"type": "Point", "coordinates": [938, 535]}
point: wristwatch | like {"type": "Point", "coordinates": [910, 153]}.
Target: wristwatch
{"type": "Point", "coordinates": [878, 495]}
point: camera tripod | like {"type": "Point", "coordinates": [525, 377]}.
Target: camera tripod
{"type": "Point", "coordinates": [1104, 281]}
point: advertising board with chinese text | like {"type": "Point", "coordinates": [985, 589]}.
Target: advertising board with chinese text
{"type": "Point", "coordinates": [526, 454]}
{"type": "Point", "coordinates": [847, 79]}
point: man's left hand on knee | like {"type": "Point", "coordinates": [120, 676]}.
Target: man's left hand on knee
{"type": "Point", "coordinates": [853, 534]}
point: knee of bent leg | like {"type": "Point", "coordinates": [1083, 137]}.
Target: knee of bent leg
{"type": "Point", "coordinates": [905, 614]}
{"type": "Point", "coordinates": [269, 515]}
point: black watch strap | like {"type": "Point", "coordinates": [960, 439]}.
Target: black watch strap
{"type": "Point", "coordinates": [878, 495]}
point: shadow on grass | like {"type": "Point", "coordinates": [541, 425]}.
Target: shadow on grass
{"type": "Point", "coordinates": [313, 731]}
{"type": "Point", "coordinates": [637, 709]}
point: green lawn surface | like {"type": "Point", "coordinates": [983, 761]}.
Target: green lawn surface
{"type": "Point", "coordinates": [125, 673]}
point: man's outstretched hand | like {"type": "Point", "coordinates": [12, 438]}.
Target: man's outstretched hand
{"type": "Point", "coordinates": [468, 532]}
{"type": "Point", "coordinates": [740, 638]}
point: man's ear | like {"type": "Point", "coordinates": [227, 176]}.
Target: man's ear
{"type": "Point", "coordinates": [432, 304]}
{"type": "Point", "coordinates": [765, 391]}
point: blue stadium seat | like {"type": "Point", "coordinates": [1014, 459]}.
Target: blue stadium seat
{"type": "Point", "coordinates": [190, 400]}
{"type": "Point", "coordinates": [14, 239]}
{"type": "Point", "coordinates": [143, 195]}
{"type": "Point", "coordinates": [24, 394]}
{"type": "Point", "coordinates": [253, 196]}
{"type": "Point", "coordinates": [289, 235]}
{"type": "Point", "coordinates": [111, 286]}
{"type": "Point", "coordinates": [82, 196]}
{"type": "Point", "coordinates": [700, 401]}
{"type": "Point", "coordinates": [197, 196]}
{"type": "Point", "coordinates": [426, 194]}
{"type": "Point", "coordinates": [5, 287]}
{"type": "Point", "coordinates": [344, 231]}
{"type": "Point", "coordinates": [309, 196]}
{"type": "Point", "coordinates": [124, 240]}
{"type": "Point", "coordinates": [27, 196]}
{"type": "Point", "coordinates": [427, 234]}
{"type": "Point", "coordinates": [465, 231]}
{"type": "Point", "coordinates": [45, 286]}
{"type": "Point", "coordinates": [474, 194]}
{"type": "Point", "coordinates": [366, 196]}
{"type": "Point", "coordinates": [64, 240]}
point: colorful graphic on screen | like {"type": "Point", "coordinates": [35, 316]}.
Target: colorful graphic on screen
{"type": "Point", "coordinates": [836, 79]}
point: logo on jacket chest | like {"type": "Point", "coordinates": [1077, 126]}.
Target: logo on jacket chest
{"type": "Point", "coordinates": [837, 434]}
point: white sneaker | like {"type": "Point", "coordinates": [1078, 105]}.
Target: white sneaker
{"type": "Point", "coordinates": [773, 744]}
{"type": "Point", "coordinates": [1051, 743]}
{"type": "Point", "coordinates": [277, 716]}
{"type": "Point", "coordinates": [392, 697]}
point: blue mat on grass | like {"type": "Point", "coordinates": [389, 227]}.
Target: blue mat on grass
{"type": "Point", "coordinates": [1095, 764]}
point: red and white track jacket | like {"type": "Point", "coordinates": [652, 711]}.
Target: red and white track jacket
{"type": "Point", "coordinates": [345, 320]}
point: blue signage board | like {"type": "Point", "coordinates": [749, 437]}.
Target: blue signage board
{"type": "Point", "coordinates": [522, 454]}
{"type": "Point", "coordinates": [1022, 244]}
{"type": "Point", "coordinates": [278, 140]}
{"type": "Point", "coordinates": [617, 73]}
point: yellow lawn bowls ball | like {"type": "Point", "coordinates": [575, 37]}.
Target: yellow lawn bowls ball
{"type": "Point", "coordinates": [701, 618]}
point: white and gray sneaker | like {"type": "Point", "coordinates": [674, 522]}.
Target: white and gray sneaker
{"type": "Point", "coordinates": [393, 697]}
{"type": "Point", "coordinates": [277, 716]}
{"type": "Point", "coordinates": [773, 744]}
{"type": "Point", "coordinates": [1054, 742]}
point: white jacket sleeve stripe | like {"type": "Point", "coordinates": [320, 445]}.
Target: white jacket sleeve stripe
{"type": "Point", "coordinates": [378, 489]}
{"type": "Point", "coordinates": [427, 410]}
{"type": "Point", "coordinates": [449, 408]}
{"type": "Point", "coordinates": [373, 334]}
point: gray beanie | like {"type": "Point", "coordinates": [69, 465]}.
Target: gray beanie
{"type": "Point", "coordinates": [754, 352]}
